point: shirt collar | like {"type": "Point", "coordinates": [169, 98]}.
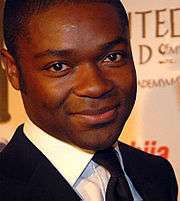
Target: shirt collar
{"type": "Point", "coordinates": [116, 147]}
{"type": "Point", "coordinates": [69, 160]}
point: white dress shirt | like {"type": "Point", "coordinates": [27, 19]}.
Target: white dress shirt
{"type": "Point", "coordinates": [87, 178]}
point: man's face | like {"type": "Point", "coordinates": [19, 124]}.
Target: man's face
{"type": "Point", "coordinates": [78, 74]}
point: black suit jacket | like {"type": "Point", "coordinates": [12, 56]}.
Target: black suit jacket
{"type": "Point", "coordinates": [27, 175]}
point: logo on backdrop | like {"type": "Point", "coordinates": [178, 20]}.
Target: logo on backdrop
{"type": "Point", "coordinates": [157, 24]}
{"type": "Point", "coordinates": [152, 147]}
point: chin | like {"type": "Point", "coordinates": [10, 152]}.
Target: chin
{"type": "Point", "coordinates": [99, 140]}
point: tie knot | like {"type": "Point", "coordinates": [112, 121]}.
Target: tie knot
{"type": "Point", "coordinates": [109, 160]}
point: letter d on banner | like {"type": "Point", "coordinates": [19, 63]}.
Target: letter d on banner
{"type": "Point", "coordinates": [145, 54]}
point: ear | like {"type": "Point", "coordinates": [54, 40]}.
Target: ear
{"type": "Point", "coordinates": [11, 68]}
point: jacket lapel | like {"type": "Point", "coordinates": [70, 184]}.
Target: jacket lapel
{"type": "Point", "coordinates": [35, 171]}
{"type": "Point", "coordinates": [142, 181]}
{"type": "Point", "coordinates": [48, 178]}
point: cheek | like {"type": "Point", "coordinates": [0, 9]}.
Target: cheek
{"type": "Point", "coordinates": [47, 93]}
{"type": "Point", "coordinates": [124, 79]}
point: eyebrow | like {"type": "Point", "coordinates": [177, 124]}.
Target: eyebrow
{"type": "Point", "coordinates": [111, 44]}
{"type": "Point", "coordinates": [69, 52]}
{"type": "Point", "coordinates": [58, 53]}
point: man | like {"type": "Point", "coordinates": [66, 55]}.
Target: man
{"type": "Point", "coordinates": [72, 62]}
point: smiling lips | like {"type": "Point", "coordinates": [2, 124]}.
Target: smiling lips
{"type": "Point", "coordinates": [101, 116]}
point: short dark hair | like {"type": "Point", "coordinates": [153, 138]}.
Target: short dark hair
{"type": "Point", "coordinates": [17, 13]}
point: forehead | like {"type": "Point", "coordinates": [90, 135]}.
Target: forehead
{"type": "Point", "coordinates": [71, 26]}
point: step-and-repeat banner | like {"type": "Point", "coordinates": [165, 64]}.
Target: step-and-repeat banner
{"type": "Point", "coordinates": [154, 125]}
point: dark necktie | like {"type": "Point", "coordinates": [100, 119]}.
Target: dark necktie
{"type": "Point", "coordinates": [117, 188]}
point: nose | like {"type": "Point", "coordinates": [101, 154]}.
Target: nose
{"type": "Point", "coordinates": [91, 82]}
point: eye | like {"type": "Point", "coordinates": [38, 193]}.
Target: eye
{"type": "Point", "coordinates": [58, 67]}
{"type": "Point", "coordinates": [114, 57]}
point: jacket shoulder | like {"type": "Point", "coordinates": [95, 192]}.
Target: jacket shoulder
{"type": "Point", "coordinates": [149, 169]}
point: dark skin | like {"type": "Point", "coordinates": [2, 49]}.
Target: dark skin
{"type": "Point", "coordinates": [78, 74]}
